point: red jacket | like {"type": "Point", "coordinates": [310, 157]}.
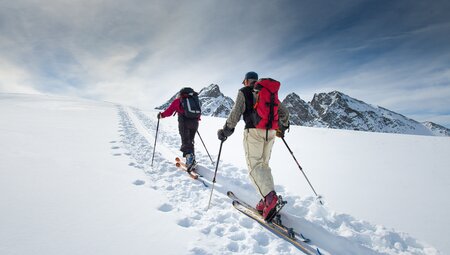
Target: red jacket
{"type": "Point", "coordinates": [175, 106]}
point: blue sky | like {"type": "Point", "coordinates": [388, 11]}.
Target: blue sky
{"type": "Point", "coordinates": [395, 54]}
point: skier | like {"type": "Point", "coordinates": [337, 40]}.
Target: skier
{"type": "Point", "coordinates": [188, 107]}
{"type": "Point", "coordinates": [258, 141]}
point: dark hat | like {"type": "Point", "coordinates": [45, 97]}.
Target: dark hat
{"type": "Point", "coordinates": [250, 76]}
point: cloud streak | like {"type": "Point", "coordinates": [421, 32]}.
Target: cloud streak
{"type": "Point", "coordinates": [140, 52]}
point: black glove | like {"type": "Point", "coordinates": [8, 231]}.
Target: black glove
{"type": "Point", "coordinates": [281, 130]}
{"type": "Point", "coordinates": [224, 133]}
{"type": "Point", "coordinates": [221, 135]}
{"type": "Point", "coordinates": [159, 115]}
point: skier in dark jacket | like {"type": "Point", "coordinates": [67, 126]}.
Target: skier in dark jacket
{"type": "Point", "coordinates": [187, 125]}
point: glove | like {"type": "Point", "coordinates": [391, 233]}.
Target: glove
{"type": "Point", "coordinates": [224, 133]}
{"type": "Point", "coordinates": [221, 135]}
{"type": "Point", "coordinates": [281, 130]}
{"type": "Point", "coordinates": [159, 115]}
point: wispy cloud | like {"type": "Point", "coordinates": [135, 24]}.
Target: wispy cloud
{"type": "Point", "coordinates": [141, 52]}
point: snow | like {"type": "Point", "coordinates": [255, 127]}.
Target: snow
{"type": "Point", "coordinates": [76, 178]}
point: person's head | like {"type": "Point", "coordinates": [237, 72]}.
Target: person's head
{"type": "Point", "coordinates": [249, 78]}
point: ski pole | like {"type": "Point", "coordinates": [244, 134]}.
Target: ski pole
{"type": "Point", "coordinates": [156, 137]}
{"type": "Point", "coordinates": [205, 147]}
{"type": "Point", "coordinates": [301, 169]}
{"type": "Point", "coordinates": [215, 173]}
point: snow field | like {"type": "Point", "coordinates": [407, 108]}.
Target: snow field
{"type": "Point", "coordinates": [76, 178]}
{"type": "Point", "coordinates": [343, 233]}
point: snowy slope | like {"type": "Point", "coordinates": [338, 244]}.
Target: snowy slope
{"type": "Point", "coordinates": [75, 178]}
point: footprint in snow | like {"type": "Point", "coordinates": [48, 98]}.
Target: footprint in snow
{"type": "Point", "coordinates": [261, 238]}
{"type": "Point", "coordinates": [246, 223]}
{"type": "Point", "coordinates": [166, 208]}
{"type": "Point", "coordinates": [259, 249]}
{"type": "Point", "coordinates": [237, 237]}
{"type": "Point", "coordinates": [219, 231]}
{"type": "Point", "coordinates": [223, 217]}
{"type": "Point", "coordinates": [198, 251]}
{"type": "Point", "coordinates": [186, 223]}
{"type": "Point", "coordinates": [115, 147]}
{"type": "Point", "coordinates": [117, 154]}
{"type": "Point", "coordinates": [233, 247]}
{"type": "Point", "coordinates": [139, 182]}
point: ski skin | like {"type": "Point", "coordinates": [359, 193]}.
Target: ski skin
{"type": "Point", "coordinates": [194, 175]}
{"type": "Point", "coordinates": [277, 229]}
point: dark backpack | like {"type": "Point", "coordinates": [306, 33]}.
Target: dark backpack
{"type": "Point", "coordinates": [190, 103]}
{"type": "Point", "coordinates": [267, 102]}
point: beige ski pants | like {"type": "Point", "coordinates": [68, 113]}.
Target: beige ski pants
{"type": "Point", "coordinates": [257, 154]}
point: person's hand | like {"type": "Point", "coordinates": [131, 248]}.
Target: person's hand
{"type": "Point", "coordinates": [224, 133]}
{"type": "Point", "coordinates": [280, 133]}
{"type": "Point", "coordinates": [159, 115]}
{"type": "Point", "coordinates": [281, 130]}
{"type": "Point", "coordinates": [221, 135]}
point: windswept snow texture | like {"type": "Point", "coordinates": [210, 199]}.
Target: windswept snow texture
{"type": "Point", "coordinates": [76, 178]}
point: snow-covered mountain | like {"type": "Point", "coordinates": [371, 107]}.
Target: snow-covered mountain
{"type": "Point", "coordinates": [213, 102]}
{"type": "Point", "coordinates": [301, 113]}
{"type": "Point", "coordinates": [339, 111]}
{"type": "Point", "coordinates": [438, 130]}
{"type": "Point", "coordinates": [98, 191]}
{"type": "Point", "coordinates": [329, 110]}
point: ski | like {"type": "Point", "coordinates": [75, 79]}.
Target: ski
{"type": "Point", "coordinates": [275, 226]}
{"type": "Point", "coordinates": [180, 163]}
{"type": "Point", "coordinates": [275, 221]}
{"type": "Point", "coordinates": [194, 175]}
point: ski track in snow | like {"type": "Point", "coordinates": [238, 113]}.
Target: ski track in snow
{"type": "Point", "coordinates": [339, 233]}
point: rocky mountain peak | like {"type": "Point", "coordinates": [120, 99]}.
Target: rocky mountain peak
{"type": "Point", "coordinates": [332, 110]}
{"type": "Point", "coordinates": [436, 128]}
{"type": "Point", "coordinates": [301, 113]}
{"type": "Point", "coordinates": [212, 90]}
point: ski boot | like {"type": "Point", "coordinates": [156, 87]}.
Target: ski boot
{"type": "Point", "coordinates": [273, 205]}
{"type": "Point", "coordinates": [260, 206]}
{"type": "Point", "coordinates": [190, 162]}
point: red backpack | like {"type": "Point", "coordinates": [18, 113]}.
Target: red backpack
{"type": "Point", "coordinates": [267, 103]}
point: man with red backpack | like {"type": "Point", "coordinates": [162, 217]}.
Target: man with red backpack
{"type": "Point", "coordinates": [265, 117]}
{"type": "Point", "coordinates": [188, 107]}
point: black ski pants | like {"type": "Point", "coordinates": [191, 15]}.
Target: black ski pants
{"type": "Point", "coordinates": [187, 129]}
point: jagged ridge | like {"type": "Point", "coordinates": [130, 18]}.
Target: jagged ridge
{"type": "Point", "coordinates": [340, 111]}
{"type": "Point", "coordinates": [331, 110]}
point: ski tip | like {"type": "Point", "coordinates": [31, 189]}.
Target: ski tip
{"type": "Point", "coordinates": [177, 159]}
{"type": "Point", "coordinates": [178, 164]}
{"type": "Point", "coordinates": [318, 252]}
{"type": "Point", "coordinates": [229, 193]}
